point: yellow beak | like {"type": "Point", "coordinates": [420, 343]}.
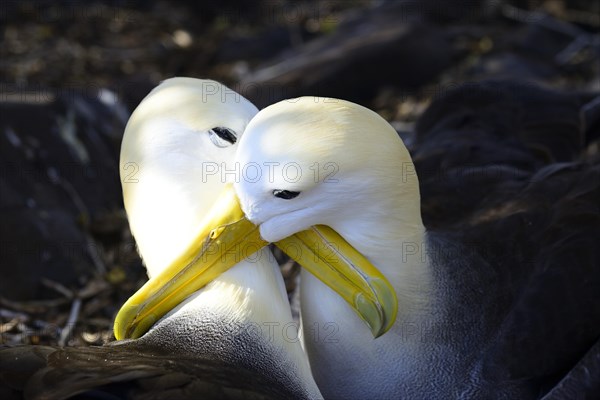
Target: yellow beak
{"type": "Point", "coordinates": [329, 257]}
{"type": "Point", "coordinates": [212, 252]}
{"type": "Point", "coordinates": [227, 237]}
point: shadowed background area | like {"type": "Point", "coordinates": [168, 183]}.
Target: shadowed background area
{"type": "Point", "coordinates": [73, 71]}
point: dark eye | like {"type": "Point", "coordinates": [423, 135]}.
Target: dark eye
{"type": "Point", "coordinates": [285, 194]}
{"type": "Point", "coordinates": [222, 137]}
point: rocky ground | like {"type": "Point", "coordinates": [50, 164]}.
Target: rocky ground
{"type": "Point", "coordinates": [73, 71]}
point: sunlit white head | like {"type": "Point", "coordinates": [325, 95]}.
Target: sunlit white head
{"type": "Point", "coordinates": [320, 161]}
{"type": "Point", "coordinates": [176, 149]}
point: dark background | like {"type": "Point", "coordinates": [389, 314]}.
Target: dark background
{"type": "Point", "coordinates": [71, 72]}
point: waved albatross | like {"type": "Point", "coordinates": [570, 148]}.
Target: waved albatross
{"type": "Point", "coordinates": [500, 307]}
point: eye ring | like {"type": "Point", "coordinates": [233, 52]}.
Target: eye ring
{"type": "Point", "coordinates": [285, 194]}
{"type": "Point", "coordinates": [222, 137]}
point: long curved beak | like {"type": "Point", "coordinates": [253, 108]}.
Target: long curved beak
{"type": "Point", "coordinates": [227, 237]}
{"type": "Point", "coordinates": [214, 250]}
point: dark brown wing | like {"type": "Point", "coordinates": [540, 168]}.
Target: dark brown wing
{"type": "Point", "coordinates": [502, 168]}
{"type": "Point", "coordinates": [124, 372]}
{"type": "Point", "coordinates": [488, 138]}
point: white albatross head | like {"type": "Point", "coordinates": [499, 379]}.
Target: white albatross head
{"type": "Point", "coordinates": [324, 161]}
{"type": "Point", "coordinates": [176, 145]}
